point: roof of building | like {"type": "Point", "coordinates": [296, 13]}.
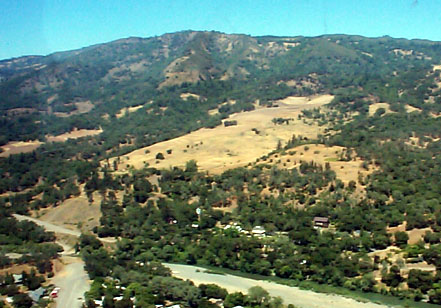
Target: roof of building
{"type": "Point", "coordinates": [36, 294]}
{"type": "Point", "coordinates": [321, 219]}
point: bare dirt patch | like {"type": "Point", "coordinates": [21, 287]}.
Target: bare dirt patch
{"type": "Point", "coordinates": [410, 109]}
{"type": "Point", "coordinates": [127, 110]}
{"type": "Point", "coordinates": [221, 148]}
{"type": "Point", "coordinates": [415, 235]}
{"type": "Point", "coordinates": [185, 96]}
{"type": "Point", "coordinates": [17, 147]}
{"type": "Point", "coordinates": [19, 111]}
{"type": "Point", "coordinates": [81, 107]}
{"type": "Point", "coordinates": [75, 134]}
{"type": "Point", "coordinates": [16, 269]}
{"type": "Point", "coordinates": [290, 45]}
{"type": "Point", "coordinates": [374, 107]}
{"type": "Point", "coordinates": [75, 213]}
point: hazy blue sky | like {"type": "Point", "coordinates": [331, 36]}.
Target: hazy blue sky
{"type": "Point", "coordinates": [41, 27]}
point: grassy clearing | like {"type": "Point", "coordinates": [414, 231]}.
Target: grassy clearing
{"type": "Point", "coordinates": [346, 171]}
{"type": "Point", "coordinates": [128, 110]}
{"type": "Point", "coordinates": [75, 213]}
{"type": "Point", "coordinates": [17, 147]}
{"type": "Point", "coordinates": [222, 148]}
{"type": "Point", "coordinates": [75, 134]}
{"type": "Point", "coordinates": [374, 107]}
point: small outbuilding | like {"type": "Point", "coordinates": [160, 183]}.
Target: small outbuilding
{"type": "Point", "coordinates": [36, 294]}
{"type": "Point", "coordinates": [258, 231]}
{"type": "Point", "coordinates": [321, 222]}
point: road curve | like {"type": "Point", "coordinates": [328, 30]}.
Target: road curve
{"type": "Point", "coordinates": [48, 226]}
{"type": "Point", "coordinates": [290, 295]}
{"type": "Point", "coordinates": [58, 229]}
{"type": "Point", "coordinates": [73, 280]}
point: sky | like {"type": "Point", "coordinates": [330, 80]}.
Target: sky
{"type": "Point", "coordinates": [41, 27]}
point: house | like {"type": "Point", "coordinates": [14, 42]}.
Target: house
{"type": "Point", "coordinates": [321, 222]}
{"type": "Point", "coordinates": [36, 294]}
{"type": "Point", "coordinates": [258, 231]}
{"type": "Point", "coordinates": [18, 278]}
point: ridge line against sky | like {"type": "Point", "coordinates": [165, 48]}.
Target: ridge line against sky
{"type": "Point", "coordinates": [41, 27]}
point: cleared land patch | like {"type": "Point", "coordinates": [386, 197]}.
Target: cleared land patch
{"type": "Point", "coordinates": [74, 213]}
{"type": "Point", "coordinates": [346, 171]}
{"type": "Point", "coordinates": [222, 148]}
{"type": "Point", "coordinates": [437, 67]}
{"type": "Point", "coordinates": [185, 96]}
{"type": "Point", "coordinates": [410, 109]}
{"type": "Point", "coordinates": [81, 107]}
{"type": "Point", "coordinates": [127, 110]}
{"type": "Point", "coordinates": [374, 107]}
{"type": "Point", "coordinates": [17, 147]}
{"type": "Point", "coordinates": [74, 135]}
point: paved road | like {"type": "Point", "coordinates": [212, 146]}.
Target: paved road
{"type": "Point", "coordinates": [73, 282]}
{"type": "Point", "coordinates": [290, 295]}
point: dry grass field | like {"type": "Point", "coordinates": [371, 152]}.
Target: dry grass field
{"type": "Point", "coordinates": [75, 213]}
{"type": "Point", "coordinates": [374, 107]}
{"type": "Point", "coordinates": [81, 107]}
{"type": "Point", "coordinates": [415, 235]}
{"type": "Point", "coordinates": [78, 133]}
{"type": "Point", "coordinates": [128, 110]}
{"type": "Point", "coordinates": [346, 171]}
{"type": "Point", "coordinates": [221, 148]}
{"type": "Point", "coordinates": [17, 147]}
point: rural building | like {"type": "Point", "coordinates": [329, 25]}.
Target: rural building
{"type": "Point", "coordinates": [321, 222]}
{"type": "Point", "coordinates": [258, 231]}
{"type": "Point", "coordinates": [18, 278]}
{"type": "Point", "coordinates": [36, 294]}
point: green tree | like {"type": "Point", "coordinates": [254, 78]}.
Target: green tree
{"type": "Point", "coordinates": [234, 299]}
{"type": "Point", "coordinates": [401, 239]}
{"type": "Point", "coordinates": [22, 301]}
{"type": "Point", "coordinates": [258, 295]}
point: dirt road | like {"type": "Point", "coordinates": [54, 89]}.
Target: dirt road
{"type": "Point", "coordinates": [290, 295]}
{"type": "Point", "coordinates": [58, 229]}
{"type": "Point", "coordinates": [48, 226]}
{"type": "Point", "coordinates": [73, 282]}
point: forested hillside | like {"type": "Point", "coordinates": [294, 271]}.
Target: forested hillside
{"type": "Point", "coordinates": [383, 223]}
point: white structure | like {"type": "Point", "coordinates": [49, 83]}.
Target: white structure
{"type": "Point", "coordinates": [258, 231]}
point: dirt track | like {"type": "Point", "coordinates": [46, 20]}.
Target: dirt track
{"type": "Point", "coordinates": [290, 295]}
{"type": "Point", "coordinates": [57, 229]}
{"type": "Point", "coordinates": [73, 283]}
